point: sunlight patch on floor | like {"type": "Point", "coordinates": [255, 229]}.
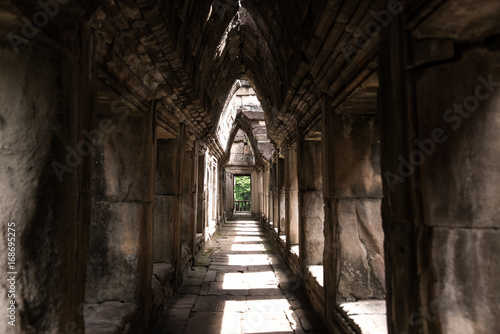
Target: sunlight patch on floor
{"type": "Point", "coordinates": [247, 247]}
{"type": "Point", "coordinates": [247, 259]}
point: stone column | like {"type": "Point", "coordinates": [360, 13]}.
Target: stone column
{"type": "Point", "coordinates": [352, 162]}
{"type": "Point", "coordinates": [165, 201]}
{"type": "Point", "coordinates": [179, 173]}
{"type": "Point", "coordinates": [331, 251]}
{"type": "Point", "coordinates": [229, 179]}
{"type": "Point", "coordinates": [280, 166]}
{"type": "Point", "coordinates": [276, 192]}
{"type": "Point", "coordinates": [120, 252]}
{"type": "Point", "coordinates": [291, 196]}
{"type": "Point", "coordinates": [311, 208]}
{"type": "Point", "coordinates": [194, 198]}
{"type": "Point", "coordinates": [187, 205]}
{"type": "Point", "coordinates": [201, 194]}
{"type": "Point", "coordinates": [255, 194]}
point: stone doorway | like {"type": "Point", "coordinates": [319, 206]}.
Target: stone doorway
{"type": "Point", "coordinates": [242, 194]}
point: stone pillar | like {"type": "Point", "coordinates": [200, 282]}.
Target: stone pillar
{"type": "Point", "coordinates": [179, 174]}
{"type": "Point", "coordinates": [200, 220]}
{"type": "Point", "coordinates": [280, 166]}
{"type": "Point", "coordinates": [276, 192]}
{"type": "Point", "coordinates": [168, 200]}
{"type": "Point", "coordinates": [255, 193]}
{"type": "Point", "coordinates": [165, 201]}
{"type": "Point", "coordinates": [291, 196]}
{"type": "Point", "coordinates": [187, 206]}
{"type": "Point", "coordinates": [194, 199]}
{"type": "Point", "coordinates": [47, 98]}
{"type": "Point", "coordinates": [439, 131]}
{"type": "Point", "coordinates": [229, 180]}
{"type": "Point", "coordinates": [331, 252]}
{"type": "Point", "coordinates": [120, 252]}
{"type": "Point", "coordinates": [353, 195]}
{"type": "Point", "coordinates": [358, 194]}
{"type": "Point", "coordinates": [311, 208]}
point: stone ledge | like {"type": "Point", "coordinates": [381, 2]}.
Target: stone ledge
{"type": "Point", "coordinates": [369, 315]}
{"type": "Point", "coordinates": [109, 318]}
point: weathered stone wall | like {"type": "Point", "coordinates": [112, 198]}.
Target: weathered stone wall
{"type": "Point", "coordinates": [44, 194]}
{"type": "Point", "coordinates": [120, 252]}
{"type": "Point", "coordinates": [439, 126]}
{"type": "Point", "coordinates": [241, 155]}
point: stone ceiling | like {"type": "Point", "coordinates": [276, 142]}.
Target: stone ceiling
{"type": "Point", "coordinates": [288, 50]}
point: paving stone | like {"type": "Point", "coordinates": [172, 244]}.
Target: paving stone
{"type": "Point", "coordinates": [211, 274]}
{"type": "Point", "coordinates": [240, 285]}
{"type": "Point", "coordinates": [265, 292]}
{"type": "Point", "coordinates": [220, 304]}
{"type": "Point", "coordinates": [177, 314]}
{"type": "Point", "coordinates": [218, 288]}
{"type": "Point", "coordinates": [214, 323]}
{"type": "Point", "coordinates": [197, 272]}
{"type": "Point", "coordinates": [204, 288]}
{"type": "Point", "coordinates": [193, 281]}
{"type": "Point", "coordinates": [261, 325]}
{"type": "Point", "coordinates": [169, 327]}
{"type": "Point", "coordinates": [185, 299]}
{"type": "Point", "coordinates": [190, 289]}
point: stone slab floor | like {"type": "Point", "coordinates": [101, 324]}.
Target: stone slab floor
{"type": "Point", "coordinates": [239, 285]}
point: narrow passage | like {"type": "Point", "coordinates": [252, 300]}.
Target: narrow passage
{"type": "Point", "coordinates": [240, 285]}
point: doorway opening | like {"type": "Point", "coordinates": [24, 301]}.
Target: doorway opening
{"type": "Point", "coordinates": [242, 194]}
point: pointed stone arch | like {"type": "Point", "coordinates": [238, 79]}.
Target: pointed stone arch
{"type": "Point", "coordinates": [242, 122]}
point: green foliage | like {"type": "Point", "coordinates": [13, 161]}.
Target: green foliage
{"type": "Point", "coordinates": [242, 188]}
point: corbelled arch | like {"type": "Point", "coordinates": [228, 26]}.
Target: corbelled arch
{"type": "Point", "coordinates": [243, 123]}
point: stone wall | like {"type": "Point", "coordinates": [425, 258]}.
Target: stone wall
{"type": "Point", "coordinates": [440, 182]}
{"type": "Point", "coordinates": [44, 186]}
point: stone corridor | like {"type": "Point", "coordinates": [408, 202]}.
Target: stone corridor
{"type": "Point", "coordinates": [239, 284]}
{"type": "Point", "coordinates": [369, 131]}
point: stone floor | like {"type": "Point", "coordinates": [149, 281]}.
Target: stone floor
{"type": "Point", "coordinates": [239, 285]}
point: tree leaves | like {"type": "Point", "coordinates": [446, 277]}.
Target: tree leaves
{"type": "Point", "coordinates": [242, 190]}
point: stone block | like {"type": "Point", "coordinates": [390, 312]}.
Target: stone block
{"type": "Point", "coordinates": [459, 178]}
{"type": "Point", "coordinates": [313, 214]}
{"type": "Point", "coordinates": [163, 272]}
{"type": "Point", "coordinates": [464, 297]}
{"type": "Point", "coordinates": [361, 266]}
{"type": "Point", "coordinates": [108, 317]}
{"type": "Point", "coordinates": [118, 163]}
{"type": "Point", "coordinates": [158, 298]}
{"type": "Point", "coordinates": [356, 158]}
{"type": "Point", "coordinates": [163, 234]}
{"type": "Point", "coordinates": [114, 251]}
{"type": "Point", "coordinates": [166, 176]}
